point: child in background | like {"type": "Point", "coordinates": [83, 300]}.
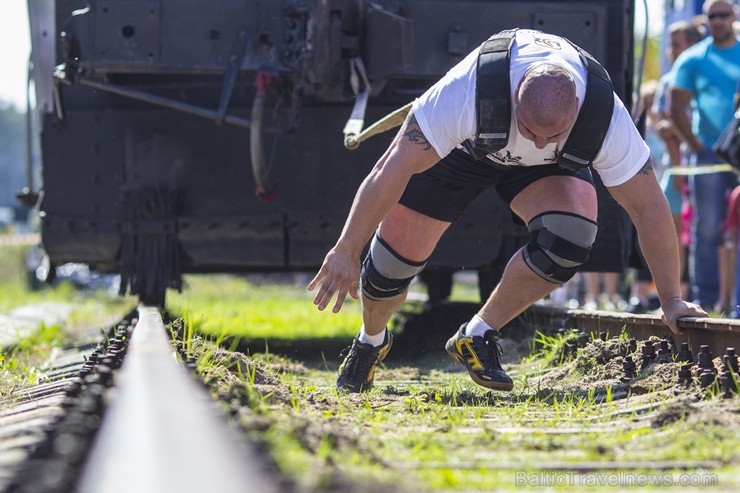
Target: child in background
{"type": "Point", "coordinates": [729, 290]}
{"type": "Point", "coordinates": [729, 264]}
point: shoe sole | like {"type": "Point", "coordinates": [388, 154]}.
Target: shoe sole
{"type": "Point", "coordinates": [483, 383]}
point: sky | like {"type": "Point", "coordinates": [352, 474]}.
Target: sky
{"type": "Point", "coordinates": [15, 42]}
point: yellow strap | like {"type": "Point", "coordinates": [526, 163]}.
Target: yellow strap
{"type": "Point", "coordinates": [700, 170]}
{"type": "Point", "coordinates": [388, 122]}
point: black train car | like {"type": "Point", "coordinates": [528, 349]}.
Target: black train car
{"type": "Point", "coordinates": [158, 120]}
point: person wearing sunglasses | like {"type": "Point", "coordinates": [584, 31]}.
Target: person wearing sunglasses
{"type": "Point", "coordinates": [706, 76]}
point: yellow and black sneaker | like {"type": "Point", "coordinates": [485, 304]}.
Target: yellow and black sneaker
{"type": "Point", "coordinates": [481, 356]}
{"type": "Point", "coordinates": [357, 372]}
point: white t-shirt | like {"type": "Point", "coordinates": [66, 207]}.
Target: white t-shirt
{"type": "Point", "coordinates": [446, 112]}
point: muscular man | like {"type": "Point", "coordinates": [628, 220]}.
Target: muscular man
{"type": "Point", "coordinates": [707, 73]}
{"type": "Point", "coordinates": [429, 174]}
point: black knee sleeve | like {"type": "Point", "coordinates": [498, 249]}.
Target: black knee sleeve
{"type": "Point", "coordinates": [560, 243]}
{"type": "Point", "coordinates": [385, 273]}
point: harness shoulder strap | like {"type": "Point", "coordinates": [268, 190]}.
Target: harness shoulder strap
{"type": "Point", "coordinates": [493, 105]}
{"type": "Point", "coordinates": [493, 95]}
{"type": "Point", "coordinates": [592, 124]}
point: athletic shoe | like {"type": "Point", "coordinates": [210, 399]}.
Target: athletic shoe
{"type": "Point", "coordinates": [357, 372]}
{"type": "Point", "coordinates": [481, 356]}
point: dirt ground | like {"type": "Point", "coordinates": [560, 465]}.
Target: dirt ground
{"type": "Point", "coordinates": [426, 427]}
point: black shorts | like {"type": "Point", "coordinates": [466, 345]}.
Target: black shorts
{"type": "Point", "coordinates": [446, 189]}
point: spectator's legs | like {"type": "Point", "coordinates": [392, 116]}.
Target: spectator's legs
{"type": "Point", "coordinates": [726, 256]}
{"type": "Point", "coordinates": [612, 298]}
{"type": "Point", "coordinates": [709, 199]}
{"type": "Point", "coordinates": [592, 290]}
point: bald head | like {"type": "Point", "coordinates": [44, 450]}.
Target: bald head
{"type": "Point", "coordinates": [708, 4]}
{"type": "Point", "coordinates": [546, 103]}
{"type": "Point", "coordinates": [720, 16]}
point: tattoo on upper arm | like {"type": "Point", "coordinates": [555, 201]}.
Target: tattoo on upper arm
{"type": "Point", "coordinates": [647, 167]}
{"type": "Point", "coordinates": [415, 135]}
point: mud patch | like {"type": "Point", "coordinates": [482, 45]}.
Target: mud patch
{"type": "Point", "coordinates": [602, 363]}
{"type": "Point", "coordinates": [674, 412]}
{"type": "Point", "coordinates": [599, 363]}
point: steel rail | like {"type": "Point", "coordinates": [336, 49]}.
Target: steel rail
{"type": "Point", "coordinates": [717, 333]}
{"type": "Point", "coordinates": [162, 431]}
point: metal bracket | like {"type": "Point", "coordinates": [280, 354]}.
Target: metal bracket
{"type": "Point", "coordinates": [60, 77]}
{"type": "Point", "coordinates": [236, 58]}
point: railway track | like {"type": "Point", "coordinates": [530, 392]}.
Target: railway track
{"type": "Point", "coordinates": [717, 334]}
{"type": "Point", "coordinates": [127, 416]}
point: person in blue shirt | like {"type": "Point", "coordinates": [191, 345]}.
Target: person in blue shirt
{"type": "Point", "coordinates": [706, 75]}
{"type": "Point", "coordinates": [681, 35]}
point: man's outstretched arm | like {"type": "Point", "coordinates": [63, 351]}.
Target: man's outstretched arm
{"type": "Point", "coordinates": [646, 205]}
{"type": "Point", "coordinates": [409, 153]}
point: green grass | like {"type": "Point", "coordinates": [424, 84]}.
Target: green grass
{"type": "Point", "coordinates": [13, 285]}
{"type": "Point", "coordinates": [424, 428]}
{"type": "Point", "coordinates": [445, 435]}
{"type": "Point", "coordinates": [552, 350]}
{"type": "Point", "coordinates": [230, 304]}
{"type": "Point", "coordinates": [89, 311]}
{"type": "Point", "coordinates": [19, 364]}
{"type": "Point", "coordinates": [11, 262]}
{"type": "Point", "coordinates": [237, 306]}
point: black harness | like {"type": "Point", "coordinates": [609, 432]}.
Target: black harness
{"type": "Point", "coordinates": [493, 105]}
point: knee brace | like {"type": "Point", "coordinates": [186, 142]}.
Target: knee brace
{"type": "Point", "coordinates": [560, 243]}
{"type": "Point", "coordinates": [385, 273]}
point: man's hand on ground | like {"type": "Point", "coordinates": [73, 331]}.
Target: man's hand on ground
{"type": "Point", "coordinates": [676, 308]}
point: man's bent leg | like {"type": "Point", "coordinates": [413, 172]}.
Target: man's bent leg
{"type": "Point", "coordinates": [520, 286]}
{"type": "Point", "coordinates": [474, 344]}
{"type": "Point", "coordinates": [561, 214]}
{"type": "Point", "coordinates": [405, 239]}
{"type": "Point", "coordinates": [412, 236]}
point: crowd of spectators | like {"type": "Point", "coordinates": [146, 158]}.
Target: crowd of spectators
{"type": "Point", "coordinates": [684, 112]}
